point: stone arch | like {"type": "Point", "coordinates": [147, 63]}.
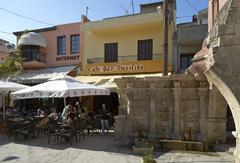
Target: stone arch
{"type": "Point", "coordinates": [221, 61]}
{"type": "Point", "coordinates": [228, 94]}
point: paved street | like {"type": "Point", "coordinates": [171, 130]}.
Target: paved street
{"type": "Point", "coordinates": [94, 149]}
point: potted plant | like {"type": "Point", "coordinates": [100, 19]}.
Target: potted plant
{"type": "Point", "coordinates": [148, 159]}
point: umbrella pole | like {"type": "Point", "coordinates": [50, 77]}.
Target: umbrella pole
{"type": "Point", "coordinates": [65, 102]}
{"type": "Point", "coordinates": [4, 108]}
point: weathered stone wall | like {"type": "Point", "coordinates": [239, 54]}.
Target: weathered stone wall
{"type": "Point", "coordinates": [223, 60]}
{"type": "Point", "coordinates": [178, 107]}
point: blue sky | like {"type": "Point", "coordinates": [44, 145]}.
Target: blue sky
{"type": "Point", "coordinates": [67, 11]}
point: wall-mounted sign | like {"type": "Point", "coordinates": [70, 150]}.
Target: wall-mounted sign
{"type": "Point", "coordinates": [128, 67]}
{"type": "Point", "coordinates": [67, 58]}
{"type": "Point", "coordinates": [117, 67]}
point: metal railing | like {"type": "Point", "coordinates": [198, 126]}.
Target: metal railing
{"type": "Point", "coordinates": [157, 56]}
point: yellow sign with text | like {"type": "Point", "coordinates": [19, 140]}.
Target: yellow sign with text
{"type": "Point", "coordinates": [127, 67]}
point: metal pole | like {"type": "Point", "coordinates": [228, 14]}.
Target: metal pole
{"type": "Point", "coordinates": [133, 7]}
{"type": "Point", "coordinates": [87, 8]}
{"type": "Point", "coordinates": [65, 102]}
{"type": "Point", "coordinates": [4, 107]}
{"type": "Point", "coordinates": [165, 46]}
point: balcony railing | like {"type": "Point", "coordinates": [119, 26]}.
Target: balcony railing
{"type": "Point", "coordinates": [123, 58]}
{"type": "Point", "coordinates": [33, 55]}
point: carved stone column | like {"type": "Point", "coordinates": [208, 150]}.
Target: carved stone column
{"type": "Point", "coordinates": [122, 96]}
{"type": "Point", "coordinates": [177, 121]}
{"type": "Point", "coordinates": [203, 106]}
{"type": "Point", "coordinates": [152, 115]}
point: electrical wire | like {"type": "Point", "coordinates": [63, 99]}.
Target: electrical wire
{"type": "Point", "coordinates": [193, 7]}
{"type": "Point", "coordinates": [182, 17]}
{"type": "Point", "coordinates": [6, 32]}
{"type": "Point", "coordinates": [11, 40]}
{"type": "Point", "coordinates": [25, 17]}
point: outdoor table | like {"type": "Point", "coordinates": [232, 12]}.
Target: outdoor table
{"type": "Point", "coordinates": [64, 127]}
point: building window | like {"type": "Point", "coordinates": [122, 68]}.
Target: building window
{"type": "Point", "coordinates": [61, 45]}
{"type": "Point", "coordinates": [185, 61]}
{"type": "Point", "coordinates": [75, 40]}
{"type": "Point", "coordinates": [111, 52]}
{"type": "Point", "coordinates": [145, 49]}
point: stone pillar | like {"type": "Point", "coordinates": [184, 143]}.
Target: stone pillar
{"type": "Point", "coordinates": [121, 120]}
{"type": "Point", "coordinates": [203, 106]}
{"type": "Point", "coordinates": [122, 96]}
{"type": "Point", "coordinates": [177, 122]}
{"type": "Point", "coordinates": [152, 115]}
{"type": "Point", "coordinates": [236, 152]}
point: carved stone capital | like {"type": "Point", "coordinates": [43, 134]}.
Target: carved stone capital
{"type": "Point", "coordinates": [177, 84]}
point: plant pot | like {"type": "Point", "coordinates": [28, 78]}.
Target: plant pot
{"type": "Point", "coordinates": [142, 150]}
{"type": "Point", "coordinates": [148, 160]}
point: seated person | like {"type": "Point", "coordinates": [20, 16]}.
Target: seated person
{"type": "Point", "coordinates": [53, 116]}
{"type": "Point", "coordinates": [84, 113]}
{"type": "Point", "coordinates": [65, 112]}
{"type": "Point", "coordinates": [72, 115]}
{"type": "Point", "coordinates": [40, 113]}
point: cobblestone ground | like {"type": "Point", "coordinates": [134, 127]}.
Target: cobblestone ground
{"type": "Point", "coordinates": [94, 149]}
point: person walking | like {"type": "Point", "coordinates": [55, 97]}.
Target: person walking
{"type": "Point", "coordinates": [104, 119]}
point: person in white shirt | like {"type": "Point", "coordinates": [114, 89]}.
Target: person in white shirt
{"type": "Point", "coordinates": [65, 112]}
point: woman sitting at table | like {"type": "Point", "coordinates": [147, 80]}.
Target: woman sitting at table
{"type": "Point", "coordinates": [53, 116]}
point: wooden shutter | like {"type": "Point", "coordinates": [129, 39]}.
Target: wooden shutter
{"type": "Point", "coordinates": [145, 49]}
{"type": "Point", "coordinates": [111, 52]}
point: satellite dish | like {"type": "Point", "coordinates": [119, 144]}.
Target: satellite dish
{"type": "Point", "coordinates": [159, 9]}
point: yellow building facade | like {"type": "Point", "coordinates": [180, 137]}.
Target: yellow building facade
{"type": "Point", "coordinates": [127, 37]}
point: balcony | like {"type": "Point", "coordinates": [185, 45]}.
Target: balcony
{"type": "Point", "coordinates": [123, 58]}
{"type": "Point", "coordinates": [33, 58]}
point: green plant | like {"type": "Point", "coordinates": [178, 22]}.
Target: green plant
{"type": "Point", "coordinates": [148, 159]}
{"type": "Point", "coordinates": [12, 65]}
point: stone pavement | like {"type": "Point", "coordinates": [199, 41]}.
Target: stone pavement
{"type": "Point", "coordinates": [94, 149]}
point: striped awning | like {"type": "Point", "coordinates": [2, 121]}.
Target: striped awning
{"type": "Point", "coordinates": [32, 38]}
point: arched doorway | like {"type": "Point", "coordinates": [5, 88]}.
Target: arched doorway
{"type": "Point", "coordinates": [230, 127]}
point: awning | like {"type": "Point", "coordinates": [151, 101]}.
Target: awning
{"type": "Point", "coordinates": [58, 87]}
{"type": "Point", "coordinates": [32, 38]}
{"type": "Point", "coordinates": [108, 80]}
{"type": "Point", "coordinates": [41, 75]}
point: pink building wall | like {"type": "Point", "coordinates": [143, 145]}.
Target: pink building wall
{"type": "Point", "coordinates": [51, 50]}
{"type": "Point", "coordinates": [210, 11]}
{"type": "Point", "coordinates": [3, 56]}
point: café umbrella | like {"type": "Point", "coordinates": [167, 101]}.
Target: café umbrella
{"type": "Point", "coordinates": [60, 87]}
{"type": "Point", "coordinates": [6, 87]}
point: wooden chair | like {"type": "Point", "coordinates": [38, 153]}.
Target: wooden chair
{"type": "Point", "coordinates": [69, 136]}
{"type": "Point", "coordinates": [11, 129]}
{"type": "Point", "coordinates": [53, 131]}
{"type": "Point", "coordinates": [26, 131]}
{"type": "Point", "coordinates": [41, 126]}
